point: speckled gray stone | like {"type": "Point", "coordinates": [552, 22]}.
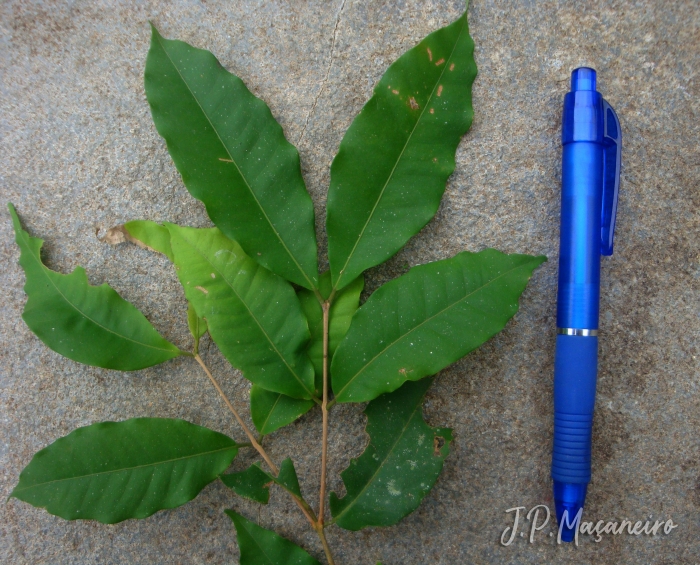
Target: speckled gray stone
{"type": "Point", "coordinates": [79, 154]}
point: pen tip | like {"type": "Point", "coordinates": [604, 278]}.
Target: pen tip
{"type": "Point", "coordinates": [568, 502]}
{"type": "Point", "coordinates": [583, 78]}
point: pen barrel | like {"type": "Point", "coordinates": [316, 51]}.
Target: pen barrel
{"type": "Point", "coordinates": [575, 373]}
{"type": "Point", "coordinates": [579, 257]}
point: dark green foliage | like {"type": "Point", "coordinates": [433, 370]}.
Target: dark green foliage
{"type": "Point", "coordinates": [390, 171]}
{"type": "Point", "coordinates": [262, 547]}
{"type": "Point", "coordinates": [253, 483]}
{"type": "Point", "coordinates": [89, 324]}
{"type": "Point", "coordinates": [400, 465]}
{"type": "Point", "coordinates": [113, 471]}
{"type": "Point", "coordinates": [238, 278]}
{"type": "Point", "coordinates": [233, 156]}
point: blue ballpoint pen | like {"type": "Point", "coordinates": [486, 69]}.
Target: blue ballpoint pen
{"type": "Point", "coordinates": [592, 143]}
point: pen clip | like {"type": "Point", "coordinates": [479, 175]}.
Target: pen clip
{"type": "Point", "coordinates": [612, 139]}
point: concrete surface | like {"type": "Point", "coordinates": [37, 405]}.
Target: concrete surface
{"type": "Point", "coordinates": [79, 154]}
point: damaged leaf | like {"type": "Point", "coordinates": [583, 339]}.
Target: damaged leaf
{"type": "Point", "coordinates": [392, 165]}
{"type": "Point", "coordinates": [253, 483]}
{"type": "Point", "coordinates": [262, 547]}
{"type": "Point", "coordinates": [89, 324]}
{"type": "Point", "coordinates": [398, 467]}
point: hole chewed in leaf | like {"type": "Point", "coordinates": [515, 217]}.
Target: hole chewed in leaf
{"type": "Point", "coordinates": [438, 444]}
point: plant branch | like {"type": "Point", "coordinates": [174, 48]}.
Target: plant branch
{"type": "Point", "coordinates": [324, 408]}
{"type": "Point", "coordinates": [324, 542]}
{"type": "Point", "coordinates": [308, 512]}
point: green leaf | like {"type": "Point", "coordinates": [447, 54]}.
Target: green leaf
{"type": "Point", "coordinates": [390, 171]}
{"type": "Point", "coordinates": [151, 235]}
{"type": "Point", "coordinates": [272, 410]}
{"type": "Point", "coordinates": [344, 305]}
{"type": "Point", "coordinates": [196, 325]}
{"type": "Point", "coordinates": [252, 314]}
{"type": "Point", "coordinates": [287, 478]}
{"type": "Point", "coordinates": [233, 156]}
{"type": "Point", "coordinates": [88, 324]}
{"type": "Point", "coordinates": [400, 465]}
{"type": "Point", "coordinates": [253, 483]}
{"type": "Point", "coordinates": [427, 319]}
{"type": "Point", "coordinates": [262, 547]}
{"type": "Point", "coordinates": [113, 471]}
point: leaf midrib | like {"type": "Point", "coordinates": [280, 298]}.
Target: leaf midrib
{"type": "Point", "coordinates": [125, 469]}
{"type": "Point", "coordinates": [250, 312]}
{"type": "Point", "coordinates": [45, 271]}
{"type": "Point", "coordinates": [390, 345]}
{"type": "Point", "coordinates": [382, 462]}
{"type": "Point", "coordinates": [269, 414]}
{"type": "Point", "coordinates": [260, 547]}
{"type": "Point", "coordinates": [398, 160]}
{"type": "Point", "coordinates": [228, 152]}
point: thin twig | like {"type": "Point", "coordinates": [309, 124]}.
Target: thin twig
{"type": "Point", "coordinates": [247, 431]}
{"type": "Point", "coordinates": [324, 407]}
{"type": "Point", "coordinates": [324, 542]}
{"type": "Point", "coordinates": [299, 502]}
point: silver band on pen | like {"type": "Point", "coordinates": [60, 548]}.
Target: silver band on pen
{"type": "Point", "coordinates": [576, 331]}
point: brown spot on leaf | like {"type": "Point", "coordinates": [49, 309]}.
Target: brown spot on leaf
{"type": "Point", "coordinates": [432, 110]}
{"type": "Point", "coordinates": [395, 91]}
{"type": "Point", "coordinates": [116, 235]}
{"type": "Point", "coordinates": [413, 104]}
{"type": "Point", "coordinates": [438, 444]}
{"type": "Point", "coordinates": [204, 290]}
{"type": "Point", "coordinates": [440, 62]}
{"type": "Point", "coordinates": [439, 92]}
{"type": "Point", "coordinates": [430, 54]}
{"type": "Point", "coordinates": [452, 67]}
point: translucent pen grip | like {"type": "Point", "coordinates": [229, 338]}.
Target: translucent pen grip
{"type": "Point", "coordinates": [575, 374]}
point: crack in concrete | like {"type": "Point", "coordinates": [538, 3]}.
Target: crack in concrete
{"type": "Point", "coordinates": [328, 73]}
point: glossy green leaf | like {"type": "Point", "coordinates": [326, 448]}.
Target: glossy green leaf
{"type": "Point", "coordinates": [272, 410]}
{"type": "Point", "coordinates": [392, 165]}
{"type": "Point", "coordinates": [152, 235]}
{"type": "Point", "coordinates": [400, 465]}
{"type": "Point", "coordinates": [253, 315]}
{"type": "Point", "coordinates": [233, 156]}
{"type": "Point", "coordinates": [253, 483]}
{"type": "Point", "coordinates": [422, 322]}
{"type": "Point", "coordinates": [262, 547]}
{"type": "Point", "coordinates": [113, 471]}
{"type": "Point", "coordinates": [345, 303]}
{"type": "Point", "coordinates": [156, 237]}
{"type": "Point", "coordinates": [287, 478]}
{"type": "Point", "coordinates": [89, 324]}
